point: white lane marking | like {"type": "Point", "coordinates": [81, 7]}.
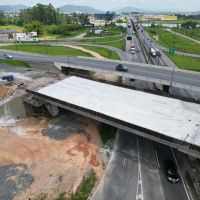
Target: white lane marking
{"type": "Point", "coordinates": [157, 158]}
{"type": "Point", "coordinates": [188, 196]}
{"type": "Point", "coordinates": [139, 194]}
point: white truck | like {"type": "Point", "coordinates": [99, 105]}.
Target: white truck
{"type": "Point", "coordinates": [152, 52]}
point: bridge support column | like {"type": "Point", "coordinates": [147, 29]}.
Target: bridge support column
{"type": "Point", "coordinates": [166, 88]}
{"type": "Point", "coordinates": [161, 87]}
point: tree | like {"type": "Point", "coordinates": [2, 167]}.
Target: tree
{"type": "Point", "coordinates": [46, 14]}
{"type": "Point", "coordinates": [34, 26]}
{"type": "Point", "coordinates": [2, 18]}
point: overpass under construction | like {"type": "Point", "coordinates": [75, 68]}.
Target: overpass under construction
{"type": "Point", "coordinates": [169, 121]}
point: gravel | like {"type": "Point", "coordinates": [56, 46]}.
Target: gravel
{"type": "Point", "coordinates": [14, 179]}
{"type": "Point", "coordinates": [60, 128]}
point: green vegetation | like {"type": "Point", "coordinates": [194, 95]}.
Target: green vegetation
{"type": "Point", "coordinates": [16, 63]}
{"type": "Point", "coordinates": [115, 41]}
{"type": "Point", "coordinates": [184, 62]}
{"type": "Point", "coordinates": [9, 27]}
{"type": "Point", "coordinates": [46, 49]}
{"type": "Point", "coordinates": [171, 40]}
{"type": "Point", "coordinates": [179, 21]}
{"type": "Point", "coordinates": [85, 188]}
{"type": "Point", "coordinates": [107, 133]}
{"type": "Point", "coordinates": [193, 33]}
{"type": "Point", "coordinates": [109, 30]}
{"type": "Point", "coordinates": [115, 30]}
{"type": "Point", "coordinates": [103, 52]}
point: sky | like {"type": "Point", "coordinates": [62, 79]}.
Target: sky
{"type": "Point", "coordinates": [179, 5]}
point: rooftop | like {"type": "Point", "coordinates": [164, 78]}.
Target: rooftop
{"type": "Point", "coordinates": [171, 117]}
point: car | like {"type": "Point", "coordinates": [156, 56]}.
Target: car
{"type": "Point", "coordinates": [171, 171]}
{"type": "Point", "coordinates": [8, 56]}
{"type": "Point", "coordinates": [121, 67]}
{"type": "Point", "coordinates": [132, 79]}
{"type": "Point", "coordinates": [158, 53]}
{"type": "Point", "coordinates": [133, 51]}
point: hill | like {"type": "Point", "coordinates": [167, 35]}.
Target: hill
{"type": "Point", "coordinates": [12, 8]}
{"type": "Point", "coordinates": [79, 9]}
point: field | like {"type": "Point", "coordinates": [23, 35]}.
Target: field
{"type": "Point", "coordinates": [115, 41]}
{"type": "Point", "coordinates": [187, 63]}
{"type": "Point", "coordinates": [16, 63]}
{"type": "Point", "coordinates": [179, 21]}
{"type": "Point", "coordinates": [171, 40]}
{"type": "Point", "coordinates": [103, 52]}
{"type": "Point", "coordinates": [43, 49]}
{"type": "Point", "coordinates": [195, 34]}
{"type": "Point", "coordinates": [9, 27]}
{"type": "Point", "coordinates": [110, 30]}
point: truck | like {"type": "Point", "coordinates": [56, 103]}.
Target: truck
{"type": "Point", "coordinates": [8, 78]}
{"type": "Point", "coordinates": [152, 52]}
{"type": "Point", "coordinates": [132, 49]}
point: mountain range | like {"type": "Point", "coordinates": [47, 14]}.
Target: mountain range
{"type": "Point", "coordinates": [69, 8]}
{"type": "Point", "coordinates": [79, 9]}
{"type": "Point", "coordinates": [12, 8]}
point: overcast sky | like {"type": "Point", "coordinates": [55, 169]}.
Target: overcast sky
{"type": "Point", "coordinates": [180, 5]}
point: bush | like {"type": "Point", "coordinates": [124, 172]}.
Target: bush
{"type": "Point", "coordinates": [65, 29]}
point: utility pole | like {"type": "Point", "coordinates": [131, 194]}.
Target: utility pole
{"type": "Point", "coordinates": [46, 46]}
{"type": "Point", "coordinates": [172, 75]}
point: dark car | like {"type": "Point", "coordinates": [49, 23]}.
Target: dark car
{"type": "Point", "coordinates": [121, 67]}
{"type": "Point", "coordinates": [171, 171]}
{"type": "Point", "coordinates": [158, 53]}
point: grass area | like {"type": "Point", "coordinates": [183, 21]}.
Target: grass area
{"type": "Point", "coordinates": [16, 63]}
{"type": "Point", "coordinates": [43, 49]}
{"type": "Point", "coordinates": [103, 52]}
{"type": "Point", "coordinates": [9, 27]}
{"type": "Point", "coordinates": [116, 41]}
{"type": "Point", "coordinates": [193, 33]}
{"type": "Point", "coordinates": [70, 34]}
{"type": "Point", "coordinates": [109, 30]}
{"type": "Point", "coordinates": [184, 62]}
{"type": "Point", "coordinates": [171, 40]}
{"type": "Point", "coordinates": [107, 133]}
{"type": "Point", "coordinates": [85, 188]}
{"type": "Point", "coordinates": [179, 21]}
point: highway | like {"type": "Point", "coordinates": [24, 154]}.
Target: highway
{"type": "Point", "coordinates": [135, 172]}
{"type": "Point", "coordinates": [150, 73]}
{"type": "Point", "coordinates": [163, 60]}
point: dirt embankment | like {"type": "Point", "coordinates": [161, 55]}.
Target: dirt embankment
{"type": "Point", "coordinates": [6, 91]}
{"type": "Point", "coordinates": [55, 165]}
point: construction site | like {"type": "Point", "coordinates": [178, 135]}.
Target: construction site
{"type": "Point", "coordinates": [44, 152]}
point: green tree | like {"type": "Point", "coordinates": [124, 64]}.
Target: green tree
{"type": "Point", "coordinates": [34, 26]}
{"type": "Point", "coordinates": [2, 18]}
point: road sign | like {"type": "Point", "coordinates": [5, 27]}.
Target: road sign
{"type": "Point", "coordinates": [171, 51]}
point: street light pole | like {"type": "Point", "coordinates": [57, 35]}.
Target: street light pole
{"type": "Point", "coordinates": [172, 75]}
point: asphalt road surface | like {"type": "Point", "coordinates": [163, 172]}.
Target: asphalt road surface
{"type": "Point", "coordinates": [163, 61]}
{"type": "Point", "coordinates": [135, 172]}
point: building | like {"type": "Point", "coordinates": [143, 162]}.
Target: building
{"type": "Point", "coordinates": [158, 17]}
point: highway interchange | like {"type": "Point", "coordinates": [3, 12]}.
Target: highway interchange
{"type": "Point", "coordinates": [135, 169]}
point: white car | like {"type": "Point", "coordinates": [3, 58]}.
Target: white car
{"type": "Point", "coordinates": [133, 51]}
{"type": "Point", "coordinates": [8, 56]}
